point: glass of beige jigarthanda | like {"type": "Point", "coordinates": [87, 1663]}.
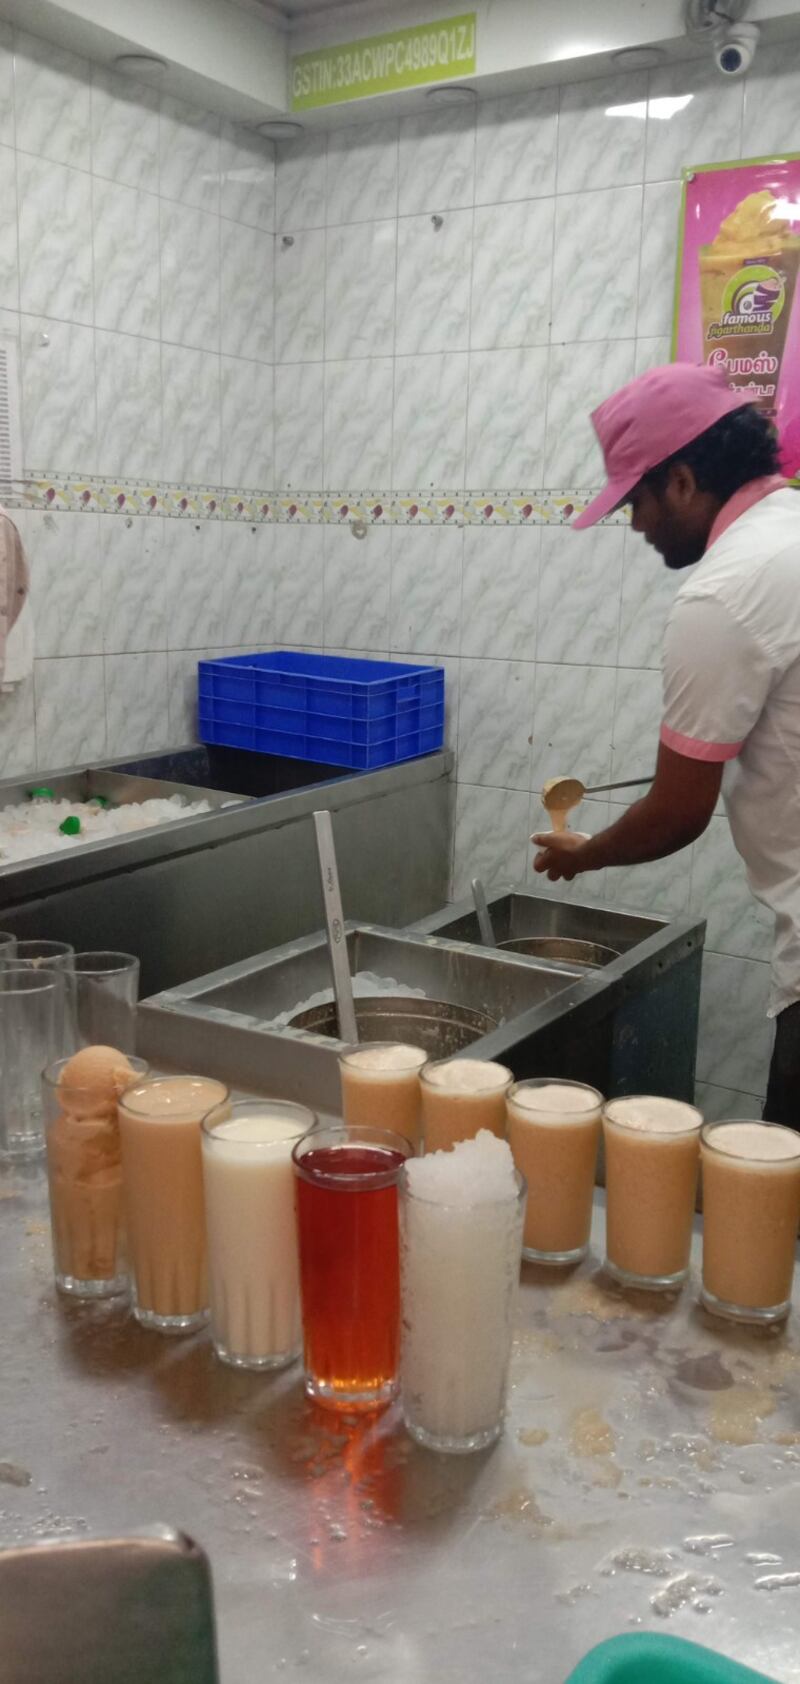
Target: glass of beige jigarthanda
{"type": "Point", "coordinates": [751, 1209]}
{"type": "Point", "coordinates": [652, 1157]}
{"type": "Point", "coordinates": [553, 1131]}
{"type": "Point", "coordinates": [380, 1087]}
{"type": "Point", "coordinates": [253, 1264]}
{"type": "Point", "coordinates": [461, 1096]}
{"type": "Point", "coordinates": [159, 1123]}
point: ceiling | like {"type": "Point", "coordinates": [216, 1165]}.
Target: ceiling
{"type": "Point", "coordinates": [291, 13]}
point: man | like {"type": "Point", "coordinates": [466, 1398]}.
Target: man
{"type": "Point", "coordinates": [699, 467]}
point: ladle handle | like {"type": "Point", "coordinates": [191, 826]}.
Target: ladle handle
{"type": "Point", "coordinates": [484, 916]}
{"type": "Point", "coordinates": [627, 783]}
{"type": "Point", "coordinates": [334, 923]}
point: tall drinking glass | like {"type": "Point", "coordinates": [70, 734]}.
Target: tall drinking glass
{"type": "Point", "coordinates": [162, 1171]}
{"type": "Point", "coordinates": [252, 1230]}
{"type": "Point", "coordinates": [460, 1258]}
{"type": "Point", "coordinates": [460, 1096]}
{"type": "Point", "coordinates": [380, 1087]}
{"type": "Point", "coordinates": [8, 945]}
{"type": "Point", "coordinates": [59, 957]}
{"type": "Point", "coordinates": [84, 1167]}
{"type": "Point", "coordinates": [104, 991]}
{"type": "Point", "coordinates": [553, 1132]}
{"type": "Point", "coordinates": [652, 1158]}
{"type": "Point", "coordinates": [30, 1002]}
{"type": "Point", "coordinates": [349, 1263]}
{"type": "Point", "coordinates": [751, 1210]}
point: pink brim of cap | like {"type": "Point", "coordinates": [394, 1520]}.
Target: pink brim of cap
{"type": "Point", "coordinates": [610, 498]}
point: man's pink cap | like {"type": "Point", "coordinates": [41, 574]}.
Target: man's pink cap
{"type": "Point", "coordinates": [648, 420]}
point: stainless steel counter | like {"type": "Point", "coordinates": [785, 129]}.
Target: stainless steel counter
{"type": "Point", "coordinates": [649, 1476]}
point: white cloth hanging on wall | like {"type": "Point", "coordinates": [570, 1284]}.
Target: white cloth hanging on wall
{"type": "Point", "coordinates": [19, 651]}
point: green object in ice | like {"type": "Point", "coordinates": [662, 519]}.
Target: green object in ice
{"type": "Point", "coordinates": [70, 826]}
{"type": "Point", "coordinates": [98, 801]}
{"type": "Point", "coordinates": [634, 1658]}
{"type": "Point", "coordinates": [42, 794]}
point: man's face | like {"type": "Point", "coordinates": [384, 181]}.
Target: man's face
{"type": "Point", "coordinates": [676, 518]}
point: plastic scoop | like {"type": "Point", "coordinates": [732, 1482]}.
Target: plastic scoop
{"type": "Point", "coordinates": [334, 925]}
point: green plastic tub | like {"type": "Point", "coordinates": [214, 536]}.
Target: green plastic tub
{"type": "Point", "coordinates": [650, 1659]}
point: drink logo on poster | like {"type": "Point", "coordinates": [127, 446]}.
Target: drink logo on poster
{"type": "Point", "coordinates": [736, 284]}
{"type": "Point", "coordinates": [380, 64]}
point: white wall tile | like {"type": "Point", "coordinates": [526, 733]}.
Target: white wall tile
{"type": "Point", "coordinates": [437, 162]}
{"type": "Point", "coordinates": [652, 352]}
{"type": "Point", "coordinates": [299, 586]}
{"type": "Point", "coordinates": [126, 259]}
{"type": "Point", "coordinates": [735, 1041]}
{"type": "Point", "coordinates": [52, 102]}
{"type": "Point", "coordinates": [300, 298]}
{"type": "Point", "coordinates": [55, 246]}
{"type": "Point", "coordinates": [124, 130]}
{"type": "Point", "coordinates": [579, 596]}
{"type": "Point", "coordinates": [190, 277]}
{"type": "Point", "coordinates": [661, 887]}
{"type": "Point", "coordinates": [189, 155]}
{"type": "Point", "coordinates": [191, 415]}
{"type": "Point", "coordinates": [301, 178]}
{"type": "Point", "coordinates": [17, 731]}
{"type": "Point", "coordinates": [9, 259]}
{"type": "Point", "coordinates": [248, 583]}
{"type": "Point", "coordinates": [128, 373]}
{"type": "Point", "coordinates": [357, 587]}
{"type": "Point", "coordinates": [512, 274]}
{"type": "Point", "coordinates": [491, 837]}
{"type": "Point", "coordinates": [247, 284]}
{"type": "Point", "coordinates": [6, 85]}
{"type": "Point", "coordinates": [192, 552]}
{"type": "Point", "coordinates": [771, 100]}
{"type": "Point", "coordinates": [182, 694]}
{"type": "Point", "coordinates": [706, 131]}
{"type": "Point", "coordinates": [506, 417]}
{"type": "Point", "coordinates": [433, 283]}
{"type": "Point", "coordinates": [596, 264]}
{"type": "Point", "coordinates": [573, 720]}
{"type": "Point", "coordinates": [722, 1105]}
{"type": "Point", "coordinates": [247, 424]}
{"type": "Point", "coordinates": [136, 704]}
{"type": "Point", "coordinates": [516, 147]}
{"type": "Point", "coordinates": [737, 922]}
{"type": "Point", "coordinates": [362, 173]}
{"type": "Point", "coordinates": [247, 177]}
{"type": "Point", "coordinates": [637, 722]}
{"type": "Point", "coordinates": [660, 220]}
{"type": "Point", "coordinates": [601, 132]}
{"type": "Point", "coordinates": [495, 722]}
{"type": "Point", "coordinates": [70, 711]}
{"type": "Point", "coordinates": [648, 590]}
{"type": "Point", "coordinates": [358, 423]}
{"type": "Point", "coordinates": [299, 410]}
{"type": "Point", "coordinates": [134, 583]}
{"type": "Point", "coordinates": [430, 402]}
{"type": "Point", "coordinates": [58, 395]}
{"type": "Point", "coordinates": [500, 591]}
{"type": "Point", "coordinates": [426, 589]}
{"type": "Point", "coordinates": [579, 378]}
{"type": "Point", "coordinates": [360, 290]}
{"type": "Point", "coordinates": [66, 593]}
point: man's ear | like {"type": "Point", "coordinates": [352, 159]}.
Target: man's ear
{"type": "Point", "coordinates": [682, 484]}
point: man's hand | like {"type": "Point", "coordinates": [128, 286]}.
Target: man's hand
{"type": "Point", "coordinates": [560, 855]}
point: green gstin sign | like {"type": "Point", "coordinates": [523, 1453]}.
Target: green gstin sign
{"type": "Point", "coordinates": [380, 64]}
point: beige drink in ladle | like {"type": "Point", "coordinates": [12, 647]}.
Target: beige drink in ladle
{"type": "Point", "coordinates": [652, 1157]}
{"type": "Point", "coordinates": [559, 797]}
{"type": "Point", "coordinates": [751, 1209]}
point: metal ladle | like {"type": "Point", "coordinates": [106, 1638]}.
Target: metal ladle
{"type": "Point", "coordinates": [334, 925]}
{"type": "Point", "coordinates": [561, 795]}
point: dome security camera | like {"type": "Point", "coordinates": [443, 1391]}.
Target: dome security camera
{"type": "Point", "coordinates": [735, 48]}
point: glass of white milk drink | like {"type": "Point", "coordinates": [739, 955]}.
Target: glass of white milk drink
{"type": "Point", "coordinates": [652, 1159]}
{"type": "Point", "coordinates": [553, 1132]}
{"type": "Point", "coordinates": [461, 1096]}
{"type": "Point", "coordinates": [253, 1269]}
{"type": "Point", "coordinates": [461, 1219]}
{"type": "Point", "coordinates": [751, 1210]}
{"type": "Point", "coordinates": [380, 1087]}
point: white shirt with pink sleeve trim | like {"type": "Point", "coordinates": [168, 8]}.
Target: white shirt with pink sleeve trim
{"type": "Point", "coordinates": [732, 693]}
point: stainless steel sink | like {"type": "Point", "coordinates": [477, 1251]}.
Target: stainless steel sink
{"type": "Point", "coordinates": [517, 913]}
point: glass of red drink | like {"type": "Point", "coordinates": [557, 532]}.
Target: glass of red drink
{"type": "Point", "coordinates": [347, 1219]}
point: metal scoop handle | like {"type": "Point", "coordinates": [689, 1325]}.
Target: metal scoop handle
{"type": "Point", "coordinates": [334, 924]}
{"type": "Point", "coordinates": [484, 916]}
{"type": "Point", "coordinates": [627, 783]}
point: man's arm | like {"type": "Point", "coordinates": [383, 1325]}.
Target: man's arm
{"type": "Point", "coordinates": [673, 813]}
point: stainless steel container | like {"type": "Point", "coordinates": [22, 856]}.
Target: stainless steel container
{"type": "Point", "coordinates": [438, 1027]}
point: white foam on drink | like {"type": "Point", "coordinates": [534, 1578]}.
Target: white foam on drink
{"type": "Point", "coordinates": [760, 1142]}
{"type": "Point", "coordinates": [654, 1115]}
{"type": "Point", "coordinates": [479, 1171]}
{"type": "Point", "coordinates": [385, 1060]}
{"type": "Point", "coordinates": [267, 1129]}
{"type": "Point", "coordinates": [559, 1099]}
{"type": "Point", "coordinates": [467, 1075]}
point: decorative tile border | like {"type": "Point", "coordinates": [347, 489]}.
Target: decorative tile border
{"type": "Point", "coordinates": [97, 495]}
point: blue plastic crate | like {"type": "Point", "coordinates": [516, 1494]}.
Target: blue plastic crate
{"type": "Point", "coordinates": [360, 714]}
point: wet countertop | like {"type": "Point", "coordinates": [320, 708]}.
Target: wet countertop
{"type": "Point", "coordinates": [649, 1478]}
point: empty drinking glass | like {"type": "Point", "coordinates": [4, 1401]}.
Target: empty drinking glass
{"type": "Point", "coordinates": [8, 945]}
{"type": "Point", "coordinates": [58, 957]}
{"type": "Point", "coordinates": [30, 1004]}
{"type": "Point", "coordinates": [103, 992]}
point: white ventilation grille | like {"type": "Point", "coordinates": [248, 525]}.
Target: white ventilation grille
{"type": "Point", "coordinates": [10, 430]}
